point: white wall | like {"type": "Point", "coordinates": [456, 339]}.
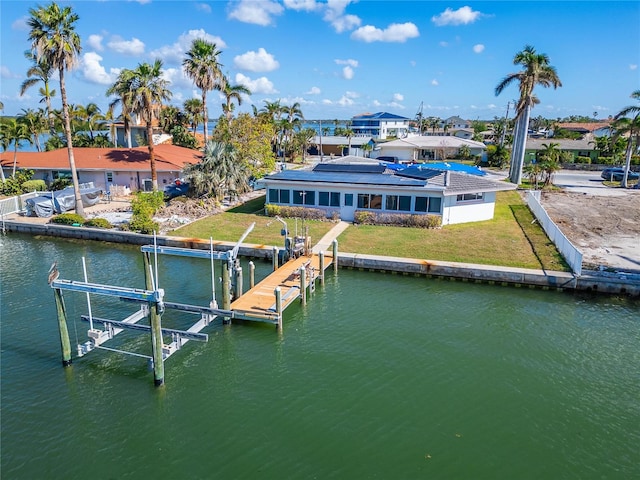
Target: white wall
{"type": "Point", "coordinates": [464, 212]}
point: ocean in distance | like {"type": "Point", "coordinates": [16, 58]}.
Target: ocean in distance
{"type": "Point", "coordinates": [378, 376]}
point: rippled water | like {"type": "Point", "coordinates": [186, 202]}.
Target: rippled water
{"type": "Point", "coordinates": [379, 376]}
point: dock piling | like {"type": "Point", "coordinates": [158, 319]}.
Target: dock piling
{"type": "Point", "coordinates": [156, 344]}
{"type": "Point", "coordinates": [335, 256]}
{"type": "Point", "coordinates": [226, 289]}
{"type": "Point", "coordinates": [278, 293]}
{"type": "Point", "coordinates": [252, 275]}
{"type": "Point", "coordinates": [238, 283]}
{"type": "Point", "coordinates": [275, 258]}
{"type": "Point", "coordinates": [303, 285]}
{"type": "Point", "coordinates": [65, 344]}
{"type": "Point", "coordinates": [321, 266]}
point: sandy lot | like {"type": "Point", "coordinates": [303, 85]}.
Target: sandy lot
{"type": "Point", "coordinates": [605, 228]}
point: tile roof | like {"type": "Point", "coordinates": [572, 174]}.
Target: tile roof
{"type": "Point", "coordinates": [169, 158]}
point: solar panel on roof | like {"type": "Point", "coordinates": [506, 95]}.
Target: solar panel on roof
{"type": "Point", "coordinates": [342, 168]}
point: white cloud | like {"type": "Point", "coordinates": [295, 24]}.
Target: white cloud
{"type": "Point", "coordinates": [302, 5]}
{"type": "Point", "coordinates": [94, 72]}
{"type": "Point", "coordinates": [133, 47]}
{"type": "Point", "coordinates": [492, 106]}
{"type": "Point", "coordinates": [443, 44]}
{"type": "Point", "coordinates": [335, 15]}
{"type": "Point", "coordinates": [347, 73]}
{"type": "Point", "coordinates": [398, 97]}
{"type": "Point", "coordinates": [259, 61]}
{"type": "Point", "coordinates": [313, 91]}
{"type": "Point", "coordinates": [479, 48]}
{"type": "Point", "coordinates": [396, 32]}
{"type": "Point", "coordinates": [351, 62]}
{"type": "Point", "coordinates": [434, 82]}
{"type": "Point", "coordinates": [260, 85]}
{"type": "Point", "coordinates": [21, 24]}
{"type": "Point", "coordinates": [257, 12]}
{"type": "Point", "coordinates": [177, 78]}
{"type": "Point", "coordinates": [345, 101]}
{"type": "Point", "coordinates": [633, 66]}
{"type": "Point", "coordinates": [462, 16]}
{"type": "Point", "coordinates": [6, 73]}
{"type": "Point", "coordinates": [351, 94]}
{"type": "Point", "coordinates": [203, 7]}
{"type": "Point", "coordinates": [326, 101]}
{"type": "Point", "coordinates": [95, 42]}
{"type": "Point", "coordinates": [292, 100]}
{"type": "Point", "coordinates": [175, 53]}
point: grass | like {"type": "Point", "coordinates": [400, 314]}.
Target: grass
{"type": "Point", "coordinates": [511, 239]}
{"type": "Point", "coordinates": [230, 225]}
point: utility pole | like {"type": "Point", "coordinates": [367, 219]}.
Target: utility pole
{"type": "Point", "coordinates": [506, 122]}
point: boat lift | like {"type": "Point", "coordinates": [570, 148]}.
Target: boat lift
{"type": "Point", "coordinates": [152, 305]}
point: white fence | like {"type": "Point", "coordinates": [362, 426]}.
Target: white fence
{"type": "Point", "coordinates": [17, 204]}
{"type": "Point", "coordinates": [571, 254]}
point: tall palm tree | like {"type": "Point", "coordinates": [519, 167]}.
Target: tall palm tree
{"type": "Point", "coordinates": [203, 67]}
{"type": "Point", "coordinates": [231, 93]}
{"type": "Point", "coordinates": [121, 88]}
{"type": "Point", "coordinates": [91, 117]}
{"type": "Point", "coordinates": [632, 127]}
{"type": "Point", "coordinates": [193, 111]}
{"type": "Point", "coordinates": [14, 131]}
{"type": "Point", "coordinates": [40, 71]}
{"type": "Point", "coordinates": [35, 122]}
{"type": "Point", "coordinates": [55, 41]}
{"type": "Point", "coordinates": [536, 71]}
{"type": "Point", "coordinates": [148, 91]}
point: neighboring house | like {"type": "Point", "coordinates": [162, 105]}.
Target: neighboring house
{"type": "Point", "coordinates": [583, 147]}
{"type": "Point", "coordinates": [597, 129]}
{"type": "Point", "coordinates": [458, 123]}
{"type": "Point", "coordinates": [350, 185]}
{"type": "Point", "coordinates": [106, 167]}
{"type": "Point", "coordinates": [379, 125]}
{"type": "Point", "coordinates": [428, 147]}
{"type": "Point", "coordinates": [138, 132]}
{"type": "Point", "coordinates": [338, 146]}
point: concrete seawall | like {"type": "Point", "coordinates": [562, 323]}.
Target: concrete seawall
{"type": "Point", "coordinates": [626, 284]}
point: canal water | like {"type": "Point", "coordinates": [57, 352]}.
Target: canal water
{"type": "Point", "coordinates": [379, 376]}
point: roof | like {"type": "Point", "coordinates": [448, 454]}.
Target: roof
{"type": "Point", "coordinates": [169, 158]}
{"type": "Point", "coordinates": [349, 168]}
{"type": "Point", "coordinates": [378, 116]}
{"type": "Point", "coordinates": [432, 141]}
{"type": "Point", "coordinates": [583, 126]}
{"type": "Point", "coordinates": [341, 140]}
{"type": "Point", "coordinates": [563, 143]}
{"type": "Point", "coordinates": [381, 179]}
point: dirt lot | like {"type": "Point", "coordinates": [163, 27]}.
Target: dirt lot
{"type": "Point", "coordinates": [605, 228]}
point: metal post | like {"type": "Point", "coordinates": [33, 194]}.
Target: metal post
{"type": "Point", "coordinates": [278, 293]}
{"type": "Point", "coordinates": [303, 285]}
{"type": "Point", "coordinates": [226, 284]}
{"type": "Point", "coordinates": [275, 258]}
{"type": "Point", "coordinates": [321, 260]}
{"type": "Point", "coordinates": [307, 240]}
{"type": "Point", "coordinates": [335, 256]}
{"type": "Point", "coordinates": [252, 275]}
{"type": "Point", "coordinates": [65, 344]}
{"type": "Point", "coordinates": [238, 282]}
{"type": "Point", "coordinates": [156, 343]}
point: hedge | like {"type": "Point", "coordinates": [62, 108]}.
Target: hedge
{"type": "Point", "coordinates": [400, 219]}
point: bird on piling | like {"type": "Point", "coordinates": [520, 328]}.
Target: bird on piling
{"type": "Point", "coordinates": [53, 273]}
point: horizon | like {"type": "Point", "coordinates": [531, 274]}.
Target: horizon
{"type": "Point", "coordinates": [339, 59]}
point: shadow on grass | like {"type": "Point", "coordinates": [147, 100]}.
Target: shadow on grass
{"type": "Point", "coordinates": [254, 207]}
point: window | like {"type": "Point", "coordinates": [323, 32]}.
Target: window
{"type": "Point", "coordinates": [327, 199]}
{"type": "Point", "coordinates": [110, 177]}
{"type": "Point", "coordinates": [334, 199]}
{"type": "Point", "coordinates": [348, 199]}
{"type": "Point", "coordinates": [298, 197]}
{"type": "Point", "coordinates": [469, 197]}
{"type": "Point", "coordinates": [428, 204]}
{"type": "Point", "coordinates": [323, 199]}
{"type": "Point", "coordinates": [278, 196]}
{"type": "Point", "coordinates": [398, 202]}
{"type": "Point", "coordinates": [370, 200]}
{"type": "Point", "coordinates": [304, 197]}
{"type": "Point", "coordinates": [285, 196]}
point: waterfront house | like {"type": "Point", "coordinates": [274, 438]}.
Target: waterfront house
{"type": "Point", "coordinates": [428, 147]}
{"type": "Point", "coordinates": [339, 146]}
{"type": "Point", "coordinates": [106, 167]}
{"type": "Point", "coordinates": [353, 184]}
{"type": "Point", "coordinates": [379, 125]}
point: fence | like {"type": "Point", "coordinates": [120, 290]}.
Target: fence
{"type": "Point", "coordinates": [17, 204]}
{"type": "Point", "coordinates": [571, 254]}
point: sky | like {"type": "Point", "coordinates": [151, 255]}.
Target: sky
{"type": "Point", "coordinates": [340, 58]}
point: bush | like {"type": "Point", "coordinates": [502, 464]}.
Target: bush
{"type": "Point", "coordinates": [401, 219]}
{"type": "Point", "coordinates": [607, 160]}
{"type": "Point", "coordinates": [98, 223]}
{"type": "Point", "coordinates": [580, 159]}
{"type": "Point", "coordinates": [13, 185]}
{"type": "Point", "coordinates": [635, 160]}
{"type": "Point", "coordinates": [143, 225]}
{"type": "Point", "coordinates": [144, 207]}
{"type": "Point", "coordinates": [365, 218]}
{"type": "Point", "coordinates": [296, 212]}
{"type": "Point", "coordinates": [34, 186]}
{"type": "Point", "coordinates": [272, 210]}
{"type": "Point", "coordinates": [68, 219]}
{"type": "Point", "coordinates": [60, 184]}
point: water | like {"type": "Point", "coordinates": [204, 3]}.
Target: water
{"type": "Point", "coordinates": [379, 376]}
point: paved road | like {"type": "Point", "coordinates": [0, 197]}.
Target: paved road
{"type": "Point", "coordinates": [585, 182]}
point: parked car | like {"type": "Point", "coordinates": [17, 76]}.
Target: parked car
{"type": "Point", "coordinates": [176, 189]}
{"type": "Point", "coordinates": [616, 173]}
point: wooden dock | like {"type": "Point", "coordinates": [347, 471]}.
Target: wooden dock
{"type": "Point", "coordinates": [259, 303]}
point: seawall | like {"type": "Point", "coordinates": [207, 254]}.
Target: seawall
{"type": "Point", "coordinates": [601, 282]}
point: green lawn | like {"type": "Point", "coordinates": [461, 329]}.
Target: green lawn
{"type": "Point", "coordinates": [511, 239]}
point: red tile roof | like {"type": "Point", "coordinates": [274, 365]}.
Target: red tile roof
{"type": "Point", "coordinates": [589, 127]}
{"type": "Point", "coordinates": [169, 158]}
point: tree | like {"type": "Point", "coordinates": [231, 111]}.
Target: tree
{"type": "Point", "coordinates": [122, 88]}
{"type": "Point", "coordinates": [193, 111]}
{"type": "Point", "coordinates": [90, 116]}
{"type": "Point", "coordinates": [148, 91]}
{"type": "Point", "coordinates": [14, 132]}
{"type": "Point", "coordinates": [366, 148]}
{"type": "Point", "coordinates": [549, 161]}
{"type": "Point", "coordinates": [202, 66]}
{"type": "Point", "coordinates": [35, 122]}
{"type": "Point", "coordinates": [55, 41]}
{"type": "Point", "coordinates": [631, 126]}
{"type": "Point", "coordinates": [302, 141]}
{"type": "Point", "coordinates": [536, 71]}
{"type": "Point", "coordinates": [40, 71]}
{"type": "Point", "coordinates": [231, 93]}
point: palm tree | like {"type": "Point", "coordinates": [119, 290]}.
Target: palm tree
{"type": "Point", "coordinates": [231, 93]}
{"type": "Point", "coordinates": [549, 161]}
{"type": "Point", "coordinates": [632, 127]}
{"type": "Point", "coordinates": [55, 42]}
{"type": "Point", "coordinates": [91, 117]}
{"type": "Point", "coordinates": [14, 131]}
{"type": "Point", "coordinates": [148, 91]}
{"type": "Point", "coordinates": [536, 71]}
{"type": "Point", "coordinates": [124, 96]}
{"type": "Point", "coordinates": [35, 122]}
{"type": "Point", "coordinates": [202, 66]}
{"type": "Point", "coordinates": [40, 71]}
{"type": "Point", "coordinates": [193, 110]}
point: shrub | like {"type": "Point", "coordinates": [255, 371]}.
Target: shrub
{"type": "Point", "coordinates": [581, 159]}
{"type": "Point", "coordinates": [98, 223]}
{"type": "Point", "coordinates": [365, 218]}
{"type": "Point", "coordinates": [68, 219]}
{"type": "Point", "coordinates": [296, 212]}
{"type": "Point", "coordinates": [34, 186]}
{"type": "Point", "coordinates": [607, 160]}
{"type": "Point", "coordinates": [635, 160]}
{"type": "Point", "coordinates": [60, 184]}
{"type": "Point", "coordinates": [144, 207]}
{"type": "Point", "coordinates": [143, 225]}
{"type": "Point", "coordinates": [401, 219]}
{"type": "Point", "coordinates": [13, 185]}
{"type": "Point", "coordinates": [272, 210]}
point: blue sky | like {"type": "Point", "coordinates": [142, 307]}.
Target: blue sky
{"type": "Point", "coordinates": [339, 58]}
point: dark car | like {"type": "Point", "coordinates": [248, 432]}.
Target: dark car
{"type": "Point", "coordinates": [615, 174]}
{"type": "Point", "coordinates": [176, 189]}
